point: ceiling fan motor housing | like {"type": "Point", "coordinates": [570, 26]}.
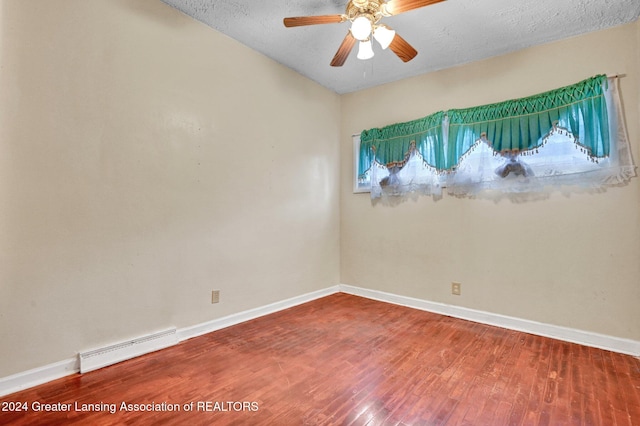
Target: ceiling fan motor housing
{"type": "Point", "coordinates": [374, 10]}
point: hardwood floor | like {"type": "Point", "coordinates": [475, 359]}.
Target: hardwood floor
{"type": "Point", "coordinates": [346, 360]}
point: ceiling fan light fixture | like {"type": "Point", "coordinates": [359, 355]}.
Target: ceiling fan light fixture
{"type": "Point", "coordinates": [384, 35]}
{"type": "Point", "coordinates": [365, 50]}
{"type": "Point", "coordinates": [364, 17]}
{"type": "Point", "coordinates": [361, 28]}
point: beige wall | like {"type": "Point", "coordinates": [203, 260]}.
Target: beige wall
{"type": "Point", "coordinates": [569, 260]}
{"type": "Point", "coordinates": [145, 160]}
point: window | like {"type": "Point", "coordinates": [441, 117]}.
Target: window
{"type": "Point", "coordinates": [573, 136]}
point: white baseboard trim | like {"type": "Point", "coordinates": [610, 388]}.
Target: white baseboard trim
{"type": "Point", "coordinates": [587, 338]}
{"type": "Point", "coordinates": [38, 376]}
{"type": "Point", "coordinates": [47, 373]}
{"type": "Point", "coordinates": [220, 323]}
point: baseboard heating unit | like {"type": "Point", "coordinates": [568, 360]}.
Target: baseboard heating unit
{"type": "Point", "coordinates": [102, 357]}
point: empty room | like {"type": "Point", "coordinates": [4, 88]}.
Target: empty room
{"type": "Point", "coordinates": [331, 212]}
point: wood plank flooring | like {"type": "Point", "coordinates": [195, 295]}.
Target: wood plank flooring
{"type": "Point", "coordinates": [346, 360]}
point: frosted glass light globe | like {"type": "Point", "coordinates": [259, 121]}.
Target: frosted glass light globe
{"type": "Point", "coordinates": [361, 28]}
{"type": "Point", "coordinates": [365, 51]}
{"type": "Point", "coordinates": [384, 36]}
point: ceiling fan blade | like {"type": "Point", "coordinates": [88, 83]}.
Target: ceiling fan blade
{"type": "Point", "coordinates": [299, 21]}
{"type": "Point", "coordinates": [343, 51]}
{"type": "Point", "coordinates": [395, 7]}
{"type": "Point", "coordinates": [404, 50]}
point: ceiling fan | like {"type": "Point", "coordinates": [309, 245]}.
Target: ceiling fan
{"type": "Point", "coordinates": [365, 16]}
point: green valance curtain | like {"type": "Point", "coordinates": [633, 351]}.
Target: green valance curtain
{"type": "Point", "coordinates": [518, 125]}
{"type": "Point", "coordinates": [392, 145]}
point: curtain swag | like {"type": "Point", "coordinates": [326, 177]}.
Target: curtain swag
{"type": "Point", "coordinates": [517, 126]}
{"type": "Point", "coordinates": [392, 145]}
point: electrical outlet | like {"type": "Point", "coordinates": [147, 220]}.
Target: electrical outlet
{"type": "Point", "coordinates": [456, 288]}
{"type": "Point", "coordinates": [215, 296]}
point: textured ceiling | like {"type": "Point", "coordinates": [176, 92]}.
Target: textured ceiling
{"type": "Point", "coordinates": [446, 34]}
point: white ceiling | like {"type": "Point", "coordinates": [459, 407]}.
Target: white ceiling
{"type": "Point", "coordinates": [446, 34]}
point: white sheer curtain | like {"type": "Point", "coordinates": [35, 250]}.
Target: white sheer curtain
{"type": "Point", "coordinates": [415, 177]}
